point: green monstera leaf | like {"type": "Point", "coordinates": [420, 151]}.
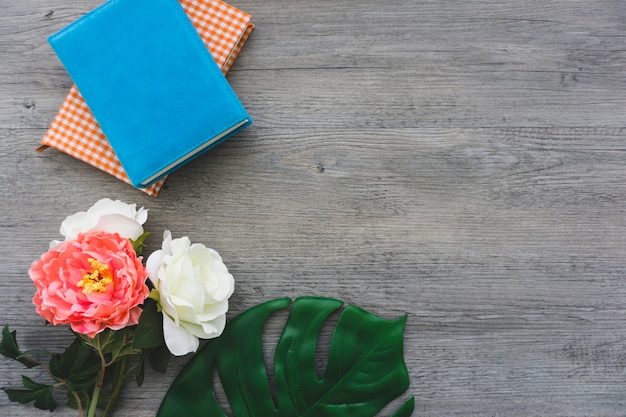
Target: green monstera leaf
{"type": "Point", "coordinates": [365, 370]}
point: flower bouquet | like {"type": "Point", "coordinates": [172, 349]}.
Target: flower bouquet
{"type": "Point", "coordinates": [124, 314]}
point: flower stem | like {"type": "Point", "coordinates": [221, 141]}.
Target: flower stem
{"type": "Point", "coordinates": [96, 389]}
{"type": "Point", "coordinates": [94, 402]}
{"type": "Point", "coordinates": [79, 405]}
{"type": "Point", "coordinates": [118, 380]}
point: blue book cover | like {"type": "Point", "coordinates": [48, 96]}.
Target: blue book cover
{"type": "Point", "coordinates": [151, 84]}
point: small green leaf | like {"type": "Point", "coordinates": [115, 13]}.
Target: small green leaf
{"type": "Point", "coordinates": [138, 244]}
{"type": "Point", "coordinates": [99, 342]}
{"type": "Point", "coordinates": [8, 345]}
{"type": "Point", "coordinates": [10, 349]}
{"type": "Point", "coordinates": [39, 393]}
{"type": "Point", "coordinates": [79, 366]}
{"type": "Point", "coordinates": [32, 385]}
{"type": "Point", "coordinates": [365, 370]}
{"type": "Point", "coordinates": [121, 343]}
{"type": "Point", "coordinates": [149, 332]}
{"type": "Point", "coordinates": [115, 343]}
{"type": "Point", "coordinates": [32, 352]}
{"type": "Point", "coordinates": [84, 380]}
{"type": "Point", "coordinates": [159, 358]}
{"type": "Point", "coordinates": [141, 372]}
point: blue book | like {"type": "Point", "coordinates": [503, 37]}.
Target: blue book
{"type": "Point", "coordinates": [151, 84]}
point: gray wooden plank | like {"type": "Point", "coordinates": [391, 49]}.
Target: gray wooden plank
{"type": "Point", "coordinates": [504, 246]}
{"type": "Point", "coordinates": [459, 162]}
{"type": "Point", "coordinates": [423, 65]}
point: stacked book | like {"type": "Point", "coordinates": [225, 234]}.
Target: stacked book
{"type": "Point", "coordinates": [150, 91]}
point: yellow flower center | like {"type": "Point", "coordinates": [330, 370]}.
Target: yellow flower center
{"type": "Point", "coordinates": [98, 279]}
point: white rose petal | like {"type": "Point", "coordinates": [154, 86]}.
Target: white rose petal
{"type": "Point", "coordinates": [194, 286]}
{"type": "Point", "coordinates": [179, 341]}
{"type": "Point", "coordinates": [106, 215]}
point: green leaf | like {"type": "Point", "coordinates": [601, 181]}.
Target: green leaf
{"type": "Point", "coordinates": [149, 332]}
{"type": "Point", "coordinates": [159, 358]}
{"type": "Point", "coordinates": [32, 385]}
{"type": "Point", "coordinates": [121, 343]}
{"type": "Point", "coordinates": [9, 348]}
{"type": "Point", "coordinates": [40, 352]}
{"type": "Point", "coordinates": [39, 393]}
{"type": "Point", "coordinates": [114, 343]}
{"type": "Point", "coordinates": [79, 366]}
{"type": "Point", "coordinates": [365, 370]}
{"type": "Point", "coordinates": [8, 345]}
{"type": "Point", "coordinates": [139, 243]}
{"type": "Point", "coordinates": [140, 375]}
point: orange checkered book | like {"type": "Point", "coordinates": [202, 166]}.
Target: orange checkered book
{"type": "Point", "coordinates": [74, 130]}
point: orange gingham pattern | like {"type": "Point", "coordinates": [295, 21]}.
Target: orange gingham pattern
{"type": "Point", "coordinates": [74, 130]}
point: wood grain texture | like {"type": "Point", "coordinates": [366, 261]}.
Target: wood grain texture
{"type": "Point", "coordinates": [459, 162]}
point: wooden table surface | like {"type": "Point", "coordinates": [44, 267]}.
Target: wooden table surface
{"type": "Point", "coordinates": [461, 162]}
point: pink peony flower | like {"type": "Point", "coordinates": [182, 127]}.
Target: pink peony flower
{"type": "Point", "coordinates": [93, 282]}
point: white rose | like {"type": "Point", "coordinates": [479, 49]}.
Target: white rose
{"type": "Point", "coordinates": [106, 215]}
{"type": "Point", "coordinates": [193, 287]}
